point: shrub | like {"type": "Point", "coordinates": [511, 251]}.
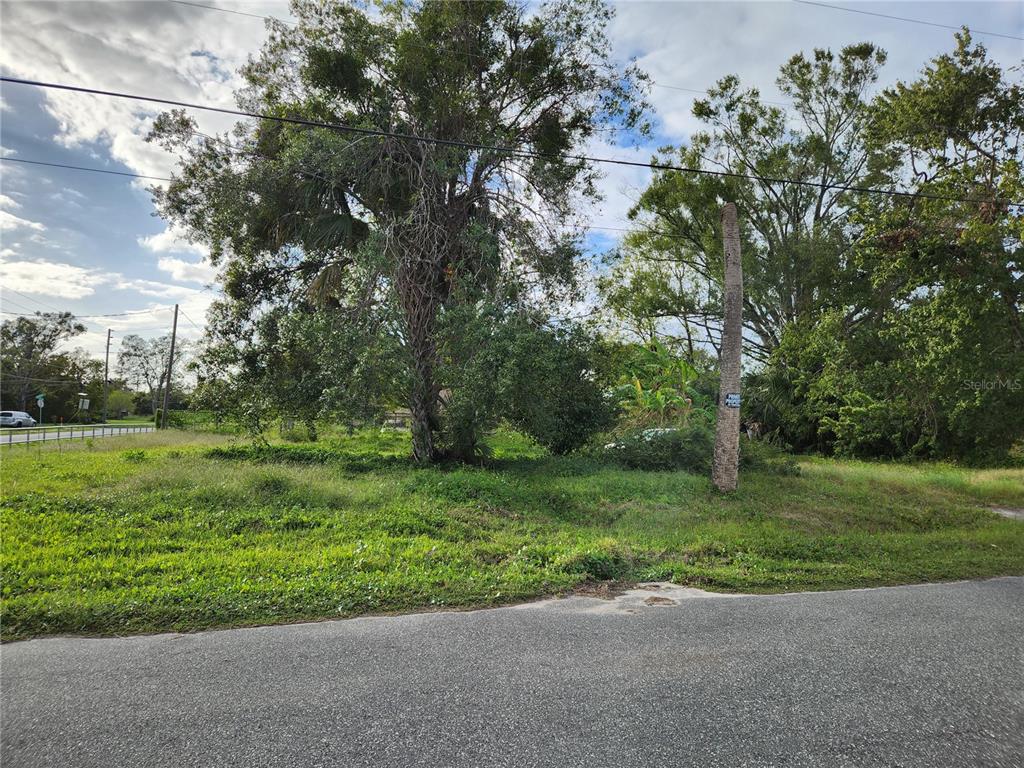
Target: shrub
{"type": "Point", "coordinates": [660, 448]}
{"type": "Point", "coordinates": [603, 561]}
{"type": "Point", "coordinates": [135, 456]}
{"type": "Point", "coordinates": [691, 448]}
{"type": "Point", "coordinates": [761, 456]}
{"type": "Point", "coordinates": [550, 393]}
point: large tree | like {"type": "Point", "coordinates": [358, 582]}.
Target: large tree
{"type": "Point", "coordinates": [939, 351]}
{"type": "Point", "coordinates": [929, 360]}
{"type": "Point", "coordinates": [364, 224]}
{"type": "Point", "coordinates": [666, 281]}
{"type": "Point", "coordinates": [29, 353]}
{"type": "Point", "coordinates": [142, 363]}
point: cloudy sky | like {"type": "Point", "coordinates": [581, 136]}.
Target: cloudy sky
{"type": "Point", "coordinates": [90, 243]}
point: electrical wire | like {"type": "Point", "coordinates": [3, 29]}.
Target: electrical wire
{"type": "Point", "coordinates": [511, 151]}
{"type": "Point", "coordinates": [82, 168]}
{"type": "Point", "coordinates": [904, 18]}
{"type": "Point", "coordinates": [194, 325]}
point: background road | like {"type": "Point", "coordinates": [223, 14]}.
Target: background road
{"type": "Point", "coordinates": [907, 676]}
{"type": "Point", "coordinates": [36, 434]}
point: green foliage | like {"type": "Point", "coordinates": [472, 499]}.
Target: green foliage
{"type": "Point", "coordinates": [688, 448]}
{"type": "Point", "coordinates": [666, 282]}
{"type": "Point", "coordinates": [30, 363]}
{"type": "Point", "coordinates": [549, 389]}
{"type": "Point", "coordinates": [387, 240]}
{"type": "Point", "coordinates": [512, 367]}
{"type": "Point", "coordinates": [659, 388]}
{"type": "Point", "coordinates": [95, 542]}
{"type": "Point", "coordinates": [932, 365]}
{"type": "Point", "coordinates": [761, 456]}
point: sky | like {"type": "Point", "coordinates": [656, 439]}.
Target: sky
{"type": "Point", "coordinates": [91, 243]}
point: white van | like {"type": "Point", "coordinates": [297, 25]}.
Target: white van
{"type": "Point", "coordinates": [16, 419]}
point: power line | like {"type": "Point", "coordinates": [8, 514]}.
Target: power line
{"type": "Point", "coordinates": [81, 168]}
{"type": "Point", "coordinates": [230, 10]}
{"type": "Point", "coordinates": [511, 151]}
{"type": "Point", "coordinates": [132, 312]}
{"type": "Point", "coordinates": [904, 18]}
{"type": "Point", "coordinates": [589, 227]}
{"type": "Point", "coordinates": [190, 320]}
{"type": "Point", "coordinates": [30, 298]}
{"type": "Point", "coordinates": [200, 290]}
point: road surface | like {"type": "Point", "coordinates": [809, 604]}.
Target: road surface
{"type": "Point", "coordinates": [38, 434]}
{"type": "Point", "coordinates": [907, 676]}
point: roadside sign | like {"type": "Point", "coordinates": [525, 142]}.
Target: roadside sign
{"type": "Point", "coordinates": [732, 400]}
{"type": "Point", "coordinates": [40, 401]}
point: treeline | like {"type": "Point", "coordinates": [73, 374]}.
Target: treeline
{"type": "Point", "coordinates": [365, 272]}
{"type": "Point", "coordinates": [877, 325]}
{"type": "Point", "coordinates": [35, 359]}
{"type": "Point", "coordinates": [420, 265]}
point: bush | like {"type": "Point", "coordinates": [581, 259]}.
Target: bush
{"type": "Point", "coordinates": [762, 456]}
{"type": "Point", "coordinates": [513, 368]}
{"type": "Point", "coordinates": [603, 561]}
{"type": "Point", "coordinates": [688, 448]}
{"type": "Point", "coordinates": [691, 448]}
{"type": "Point", "coordinates": [549, 392]}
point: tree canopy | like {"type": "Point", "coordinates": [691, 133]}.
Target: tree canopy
{"type": "Point", "coordinates": [387, 235]}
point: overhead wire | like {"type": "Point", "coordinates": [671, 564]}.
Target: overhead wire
{"type": "Point", "coordinates": [906, 19]}
{"type": "Point", "coordinates": [511, 151]}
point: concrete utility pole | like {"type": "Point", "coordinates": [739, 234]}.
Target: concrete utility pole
{"type": "Point", "coordinates": [106, 378]}
{"type": "Point", "coordinates": [170, 368]}
{"type": "Point", "coordinates": [726, 464]}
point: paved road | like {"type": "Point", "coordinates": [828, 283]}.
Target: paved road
{"type": "Point", "coordinates": [34, 435]}
{"type": "Point", "coordinates": [909, 676]}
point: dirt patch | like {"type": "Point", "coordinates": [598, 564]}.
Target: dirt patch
{"type": "Point", "coordinates": [603, 590]}
{"type": "Point", "coordinates": [655, 600]}
{"type": "Point", "coordinates": [1011, 512]}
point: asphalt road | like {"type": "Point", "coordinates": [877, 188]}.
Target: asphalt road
{"type": "Point", "coordinates": [38, 434]}
{"type": "Point", "coordinates": [908, 676]}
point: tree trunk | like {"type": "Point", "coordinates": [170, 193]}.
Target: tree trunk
{"type": "Point", "coordinates": [725, 469]}
{"type": "Point", "coordinates": [419, 304]}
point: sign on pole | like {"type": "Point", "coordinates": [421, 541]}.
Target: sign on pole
{"type": "Point", "coordinates": [725, 467]}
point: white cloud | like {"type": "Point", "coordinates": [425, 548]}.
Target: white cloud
{"type": "Point", "coordinates": [170, 50]}
{"type": "Point", "coordinates": [48, 278]}
{"type": "Point", "coordinates": [172, 240]}
{"type": "Point", "coordinates": [187, 271]}
{"type": "Point", "coordinates": [7, 152]}
{"type": "Point", "coordinates": [151, 288]}
{"type": "Point", "coordinates": [9, 202]}
{"type": "Point", "coordinates": [9, 222]}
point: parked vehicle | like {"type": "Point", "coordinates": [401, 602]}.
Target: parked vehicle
{"type": "Point", "coordinates": [16, 419]}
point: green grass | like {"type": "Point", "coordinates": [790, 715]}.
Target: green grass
{"type": "Point", "coordinates": [180, 531]}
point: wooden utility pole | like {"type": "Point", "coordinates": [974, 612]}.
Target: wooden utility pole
{"type": "Point", "coordinates": [726, 464]}
{"type": "Point", "coordinates": [106, 378]}
{"type": "Point", "coordinates": [170, 368]}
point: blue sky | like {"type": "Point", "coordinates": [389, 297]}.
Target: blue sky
{"type": "Point", "coordinates": [89, 243]}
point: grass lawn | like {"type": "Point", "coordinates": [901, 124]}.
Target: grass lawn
{"type": "Point", "coordinates": [152, 532]}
